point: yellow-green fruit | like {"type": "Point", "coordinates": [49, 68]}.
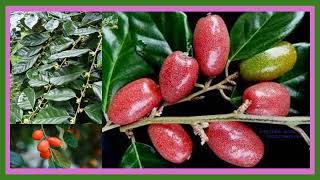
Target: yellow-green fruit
{"type": "Point", "coordinates": [269, 64]}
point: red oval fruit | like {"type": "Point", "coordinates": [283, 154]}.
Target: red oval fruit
{"type": "Point", "coordinates": [37, 134]}
{"type": "Point", "coordinates": [211, 44]}
{"type": "Point", "coordinates": [171, 141]}
{"type": "Point", "coordinates": [53, 141]}
{"type": "Point", "coordinates": [267, 98]}
{"type": "Point", "coordinates": [45, 155]}
{"type": "Point", "coordinates": [178, 75]}
{"type": "Point", "coordinates": [43, 146]}
{"type": "Point", "coordinates": [134, 101]}
{"type": "Point", "coordinates": [235, 143]}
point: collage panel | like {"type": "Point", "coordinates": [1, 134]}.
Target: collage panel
{"type": "Point", "coordinates": [55, 146]}
{"type": "Point", "coordinates": [206, 90]}
{"type": "Point", "coordinates": [55, 67]}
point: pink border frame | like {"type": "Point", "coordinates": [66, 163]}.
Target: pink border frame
{"type": "Point", "coordinates": [310, 170]}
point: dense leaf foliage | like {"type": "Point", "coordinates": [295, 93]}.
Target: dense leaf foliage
{"type": "Point", "coordinates": [55, 58]}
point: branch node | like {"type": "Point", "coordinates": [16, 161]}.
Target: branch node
{"type": "Point", "coordinates": [243, 107]}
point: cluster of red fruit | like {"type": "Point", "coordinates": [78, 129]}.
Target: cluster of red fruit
{"type": "Point", "coordinates": [233, 142]}
{"type": "Point", "coordinates": [45, 143]}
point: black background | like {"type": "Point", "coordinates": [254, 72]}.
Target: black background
{"type": "Point", "coordinates": [283, 147]}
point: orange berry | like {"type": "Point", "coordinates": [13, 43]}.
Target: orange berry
{"type": "Point", "coordinates": [43, 146]}
{"type": "Point", "coordinates": [53, 141]}
{"type": "Point", "coordinates": [45, 155]}
{"type": "Point", "coordinates": [37, 134]}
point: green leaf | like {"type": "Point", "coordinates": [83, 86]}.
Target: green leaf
{"type": "Point", "coordinates": [34, 39]}
{"type": "Point", "coordinates": [51, 115]}
{"type": "Point", "coordinates": [94, 112]}
{"type": "Point", "coordinates": [38, 79]}
{"type": "Point", "coordinates": [24, 64]}
{"type": "Point", "coordinates": [58, 160]}
{"type": "Point", "coordinates": [121, 63]}
{"type": "Point", "coordinates": [69, 53]}
{"type": "Point", "coordinates": [69, 27]}
{"type": "Point", "coordinates": [297, 80]}
{"type": "Point", "coordinates": [60, 15]}
{"type": "Point", "coordinates": [143, 29]}
{"type": "Point", "coordinates": [15, 113]}
{"type": "Point", "coordinates": [97, 89]}
{"type": "Point", "coordinates": [70, 139]}
{"type": "Point", "coordinates": [16, 160]}
{"type": "Point", "coordinates": [91, 18]}
{"type": "Point", "coordinates": [175, 28]}
{"type": "Point", "coordinates": [60, 44]}
{"type": "Point", "coordinates": [65, 75]}
{"type": "Point", "coordinates": [51, 25]}
{"type": "Point", "coordinates": [84, 31]}
{"type": "Point", "coordinates": [140, 155]}
{"type": "Point", "coordinates": [28, 51]}
{"type": "Point", "coordinates": [31, 20]}
{"type": "Point", "coordinates": [26, 99]}
{"type": "Point", "coordinates": [255, 32]}
{"type": "Point", "coordinates": [60, 94]}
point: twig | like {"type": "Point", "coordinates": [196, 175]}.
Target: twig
{"type": "Point", "coordinates": [74, 45]}
{"type": "Point", "coordinates": [289, 121]}
{"type": "Point", "coordinates": [85, 86]}
{"type": "Point", "coordinates": [302, 133]}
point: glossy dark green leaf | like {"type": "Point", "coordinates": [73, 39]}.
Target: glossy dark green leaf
{"type": "Point", "coordinates": [37, 78]}
{"type": "Point", "coordinates": [70, 139]}
{"type": "Point", "coordinates": [31, 20]}
{"type": "Point", "coordinates": [255, 32]}
{"type": "Point", "coordinates": [91, 18]}
{"type": "Point", "coordinates": [51, 115]}
{"type": "Point", "coordinates": [26, 99]}
{"type": "Point", "coordinates": [69, 27]}
{"type": "Point", "coordinates": [34, 39]}
{"type": "Point", "coordinates": [58, 160]}
{"type": "Point", "coordinates": [297, 80]}
{"type": "Point", "coordinates": [28, 51]}
{"type": "Point", "coordinates": [121, 63]}
{"type": "Point", "coordinates": [139, 155]}
{"type": "Point", "coordinates": [94, 112]}
{"type": "Point", "coordinates": [15, 113]}
{"type": "Point", "coordinates": [175, 28]}
{"type": "Point", "coordinates": [16, 160]}
{"type": "Point", "coordinates": [24, 64]}
{"type": "Point", "coordinates": [97, 89]}
{"type": "Point", "coordinates": [69, 53]}
{"type": "Point", "coordinates": [154, 47]}
{"type": "Point", "coordinates": [60, 44]}
{"type": "Point", "coordinates": [65, 75]}
{"type": "Point", "coordinates": [51, 25]}
{"type": "Point", "coordinates": [85, 31]}
{"type": "Point", "coordinates": [60, 94]}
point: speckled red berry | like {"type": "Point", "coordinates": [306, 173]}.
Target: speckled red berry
{"type": "Point", "coordinates": [267, 98]}
{"type": "Point", "coordinates": [211, 45]}
{"type": "Point", "coordinates": [53, 141]}
{"type": "Point", "coordinates": [43, 146]}
{"type": "Point", "coordinates": [171, 141]}
{"type": "Point", "coordinates": [178, 75]}
{"type": "Point", "coordinates": [235, 143]}
{"type": "Point", "coordinates": [134, 101]}
{"type": "Point", "coordinates": [37, 134]}
{"type": "Point", "coordinates": [45, 155]}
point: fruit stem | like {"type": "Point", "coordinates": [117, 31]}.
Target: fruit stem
{"type": "Point", "coordinates": [44, 132]}
{"type": "Point", "coordinates": [289, 121]}
{"type": "Point", "coordinates": [210, 88]}
{"type": "Point", "coordinates": [302, 133]}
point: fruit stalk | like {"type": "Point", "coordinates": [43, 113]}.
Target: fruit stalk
{"type": "Point", "coordinates": [289, 121]}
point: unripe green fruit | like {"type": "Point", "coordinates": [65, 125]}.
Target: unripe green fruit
{"type": "Point", "coordinates": [269, 64]}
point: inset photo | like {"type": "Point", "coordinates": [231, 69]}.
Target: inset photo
{"type": "Point", "coordinates": [55, 67]}
{"type": "Point", "coordinates": [55, 146]}
{"type": "Point", "coordinates": [207, 90]}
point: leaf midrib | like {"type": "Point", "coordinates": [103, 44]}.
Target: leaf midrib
{"type": "Point", "coordinates": [254, 34]}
